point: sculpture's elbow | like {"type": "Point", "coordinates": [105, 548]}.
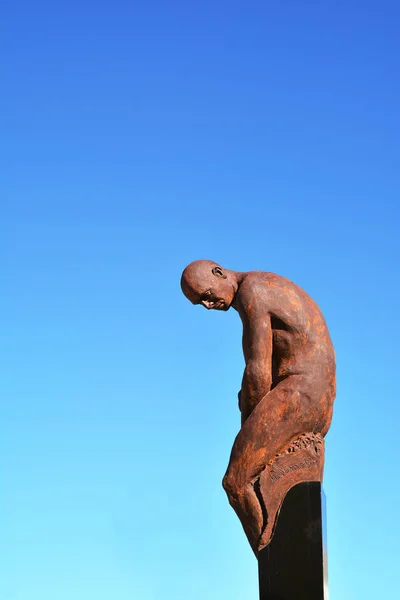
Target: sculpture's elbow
{"type": "Point", "coordinates": [257, 377]}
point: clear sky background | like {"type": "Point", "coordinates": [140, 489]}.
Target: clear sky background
{"type": "Point", "coordinates": [137, 137]}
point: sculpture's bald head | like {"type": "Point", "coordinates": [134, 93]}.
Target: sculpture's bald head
{"type": "Point", "coordinates": [207, 283]}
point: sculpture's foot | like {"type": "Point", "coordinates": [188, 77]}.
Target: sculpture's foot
{"type": "Point", "coordinates": [302, 460]}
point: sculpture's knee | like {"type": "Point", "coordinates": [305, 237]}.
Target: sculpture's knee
{"type": "Point", "coordinates": [227, 483]}
{"type": "Point", "coordinates": [231, 487]}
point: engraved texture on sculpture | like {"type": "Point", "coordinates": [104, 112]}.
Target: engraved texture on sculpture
{"type": "Point", "coordinates": [287, 391]}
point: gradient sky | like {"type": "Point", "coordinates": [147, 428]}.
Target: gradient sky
{"type": "Point", "coordinates": [137, 137]}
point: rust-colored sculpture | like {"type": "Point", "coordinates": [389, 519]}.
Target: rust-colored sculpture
{"type": "Point", "coordinates": [287, 393]}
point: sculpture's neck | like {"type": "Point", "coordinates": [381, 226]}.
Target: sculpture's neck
{"type": "Point", "coordinates": [238, 279]}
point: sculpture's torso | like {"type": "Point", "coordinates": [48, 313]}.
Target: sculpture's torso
{"type": "Point", "coordinates": [301, 344]}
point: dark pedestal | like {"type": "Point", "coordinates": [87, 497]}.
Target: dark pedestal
{"type": "Point", "coordinates": [294, 565]}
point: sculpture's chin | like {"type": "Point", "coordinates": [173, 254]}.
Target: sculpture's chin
{"type": "Point", "coordinates": [224, 307]}
{"type": "Point", "coordinates": [221, 306]}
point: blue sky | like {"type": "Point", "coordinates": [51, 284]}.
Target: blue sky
{"type": "Point", "coordinates": [137, 137]}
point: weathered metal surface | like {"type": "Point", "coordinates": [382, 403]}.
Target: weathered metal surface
{"type": "Point", "coordinates": [287, 391]}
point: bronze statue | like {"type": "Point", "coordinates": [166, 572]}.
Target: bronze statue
{"type": "Point", "coordinates": [287, 392]}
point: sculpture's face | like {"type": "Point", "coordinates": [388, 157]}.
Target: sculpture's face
{"type": "Point", "coordinates": [205, 283]}
{"type": "Point", "coordinates": [213, 295]}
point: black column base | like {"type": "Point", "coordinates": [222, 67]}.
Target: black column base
{"type": "Point", "coordinates": [294, 565]}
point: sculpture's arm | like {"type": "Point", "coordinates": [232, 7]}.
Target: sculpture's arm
{"type": "Point", "coordinates": [257, 350]}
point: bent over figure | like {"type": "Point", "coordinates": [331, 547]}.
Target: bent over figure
{"type": "Point", "coordinates": [287, 391]}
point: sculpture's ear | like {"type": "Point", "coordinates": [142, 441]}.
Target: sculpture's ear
{"type": "Point", "coordinates": [218, 272]}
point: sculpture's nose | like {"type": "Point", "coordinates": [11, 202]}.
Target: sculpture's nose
{"type": "Point", "coordinates": [207, 304]}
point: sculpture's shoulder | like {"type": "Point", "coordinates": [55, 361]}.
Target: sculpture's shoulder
{"type": "Point", "coordinates": [260, 282]}
{"type": "Point", "coordinates": [255, 289]}
{"type": "Point", "coordinates": [267, 292]}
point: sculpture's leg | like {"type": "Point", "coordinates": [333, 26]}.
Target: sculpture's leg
{"type": "Point", "coordinates": [286, 412]}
